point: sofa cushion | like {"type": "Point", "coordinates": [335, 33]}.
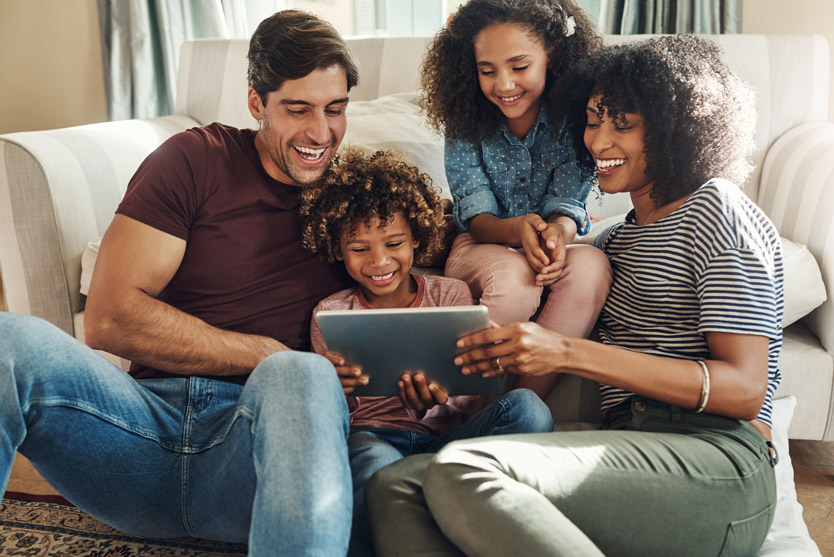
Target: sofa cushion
{"type": "Point", "coordinates": [395, 122]}
{"type": "Point", "coordinates": [804, 287]}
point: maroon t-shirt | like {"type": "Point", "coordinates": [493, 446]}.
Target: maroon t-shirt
{"type": "Point", "coordinates": [244, 268]}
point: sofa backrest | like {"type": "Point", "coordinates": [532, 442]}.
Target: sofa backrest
{"type": "Point", "coordinates": [211, 85]}
{"type": "Point", "coordinates": [788, 72]}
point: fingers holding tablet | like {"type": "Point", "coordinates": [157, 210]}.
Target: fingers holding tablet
{"type": "Point", "coordinates": [350, 376]}
{"type": "Point", "coordinates": [419, 394]}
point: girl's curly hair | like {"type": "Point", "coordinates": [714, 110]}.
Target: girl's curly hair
{"type": "Point", "coordinates": [699, 118]}
{"type": "Point", "coordinates": [358, 187]}
{"type": "Point", "coordinates": [451, 96]}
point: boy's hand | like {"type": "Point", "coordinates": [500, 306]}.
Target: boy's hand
{"type": "Point", "coordinates": [350, 376]}
{"type": "Point", "coordinates": [419, 395]}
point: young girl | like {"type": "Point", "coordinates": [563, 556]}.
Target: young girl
{"type": "Point", "coordinates": [688, 358]}
{"type": "Point", "coordinates": [519, 197]}
{"type": "Point", "coordinates": [378, 215]}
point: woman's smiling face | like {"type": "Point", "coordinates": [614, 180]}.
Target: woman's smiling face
{"type": "Point", "coordinates": [618, 147]}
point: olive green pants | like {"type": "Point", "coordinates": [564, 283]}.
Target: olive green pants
{"type": "Point", "coordinates": [658, 481]}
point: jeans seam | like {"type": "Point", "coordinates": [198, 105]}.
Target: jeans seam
{"type": "Point", "coordinates": [505, 411]}
{"type": "Point", "coordinates": [92, 411]}
{"type": "Point", "coordinates": [184, 460]}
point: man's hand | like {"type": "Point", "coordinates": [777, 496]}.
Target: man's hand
{"type": "Point", "coordinates": [417, 394]}
{"type": "Point", "coordinates": [350, 376]}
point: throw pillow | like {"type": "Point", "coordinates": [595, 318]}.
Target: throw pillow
{"type": "Point", "coordinates": [804, 287]}
{"type": "Point", "coordinates": [395, 122]}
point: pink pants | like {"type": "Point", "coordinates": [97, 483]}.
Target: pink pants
{"type": "Point", "coordinates": [503, 280]}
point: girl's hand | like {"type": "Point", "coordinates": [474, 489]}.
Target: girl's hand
{"type": "Point", "coordinates": [553, 245]}
{"type": "Point", "coordinates": [530, 228]}
{"type": "Point", "coordinates": [522, 348]}
{"type": "Point", "coordinates": [419, 395]}
{"type": "Point", "coordinates": [350, 376]}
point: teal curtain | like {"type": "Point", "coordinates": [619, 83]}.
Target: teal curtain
{"type": "Point", "coordinates": [631, 17]}
{"type": "Point", "coordinates": [140, 44]}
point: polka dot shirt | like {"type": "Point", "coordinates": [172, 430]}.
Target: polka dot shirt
{"type": "Point", "coordinates": [507, 177]}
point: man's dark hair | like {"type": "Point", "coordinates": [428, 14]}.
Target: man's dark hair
{"type": "Point", "coordinates": [291, 44]}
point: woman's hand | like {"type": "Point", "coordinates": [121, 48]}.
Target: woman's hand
{"type": "Point", "coordinates": [418, 394]}
{"type": "Point", "coordinates": [350, 376]}
{"type": "Point", "coordinates": [522, 348]}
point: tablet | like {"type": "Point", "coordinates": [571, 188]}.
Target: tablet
{"type": "Point", "coordinates": [388, 342]}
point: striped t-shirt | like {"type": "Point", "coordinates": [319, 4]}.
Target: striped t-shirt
{"type": "Point", "coordinates": [713, 265]}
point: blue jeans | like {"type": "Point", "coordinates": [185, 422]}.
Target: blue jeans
{"type": "Point", "coordinates": [264, 464]}
{"type": "Point", "coordinates": [519, 411]}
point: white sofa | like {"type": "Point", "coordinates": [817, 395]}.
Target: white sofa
{"type": "Point", "coordinates": [59, 189]}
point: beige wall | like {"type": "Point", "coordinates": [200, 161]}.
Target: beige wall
{"type": "Point", "coordinates": [793, 17]}
{"type": "Point", "coordinates": [50, 58]}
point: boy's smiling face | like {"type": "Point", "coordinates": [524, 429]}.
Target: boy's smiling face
{"type": "Point", "coordinates": [380, 260]}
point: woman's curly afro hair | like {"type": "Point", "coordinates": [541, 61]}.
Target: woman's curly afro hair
{"type": "Point", "coordinates": [451, 96]}
{"type": "Point", "coordinates": [358, 187]}
{"type": "Point", "coordinates": [699, 118]}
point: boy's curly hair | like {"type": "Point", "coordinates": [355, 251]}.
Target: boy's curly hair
{"type": "Point", "coordinates": [451, 96]}
{"type": "Point", "coordinates": [358, 187]}
{"type": "Point", "coordinates": [699, 117]}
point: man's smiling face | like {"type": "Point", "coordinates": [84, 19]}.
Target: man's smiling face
{"type": "Point", "coordinates": [301, 125]}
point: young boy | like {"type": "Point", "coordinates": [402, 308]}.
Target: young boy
{"type": "Point", "coordinates": [379, 215]}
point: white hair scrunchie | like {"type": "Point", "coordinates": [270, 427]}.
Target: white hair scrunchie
{"type": "Point", "coordinates": [571, 26]}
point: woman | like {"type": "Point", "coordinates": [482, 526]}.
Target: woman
{"type": "Point", "coordinates": [687, 363]}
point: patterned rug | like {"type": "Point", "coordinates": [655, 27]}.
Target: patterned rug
{"type": "Point", "coordinates": [35, 528]}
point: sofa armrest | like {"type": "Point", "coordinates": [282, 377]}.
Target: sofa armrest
{"type": "Point", "coordinates": [797, 193]}
{"type": "Point", "coordinates": [58, 191]}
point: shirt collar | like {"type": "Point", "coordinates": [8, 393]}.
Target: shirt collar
{"type": "Point", "coordinates": [542, 121]}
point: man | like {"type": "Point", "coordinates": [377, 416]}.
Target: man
{"type": "Point", "coordinates": [202, 282]}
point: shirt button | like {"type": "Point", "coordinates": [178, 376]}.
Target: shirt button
{"type": "Point", "coordinates": [547, 162]}
{"type": "Point", "coordinates": [521, 205]}
{"type": "Point", "coordinates": [523, 180]}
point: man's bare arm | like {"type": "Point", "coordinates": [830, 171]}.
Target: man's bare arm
{"type": "Point", "coordinates": [123, 316]}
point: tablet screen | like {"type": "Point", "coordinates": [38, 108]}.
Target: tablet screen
{"type": "Point", "coordinates": [388, 342]}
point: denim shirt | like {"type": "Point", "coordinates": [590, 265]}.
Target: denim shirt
{"type": "Point", "coordinates": [507, 177]}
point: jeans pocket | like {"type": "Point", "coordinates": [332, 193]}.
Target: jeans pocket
{"type": "Point", "coordinates": [745, 536]}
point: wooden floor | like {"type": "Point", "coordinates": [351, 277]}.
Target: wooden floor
{"type": "Point", "coordinates": [813, 466]}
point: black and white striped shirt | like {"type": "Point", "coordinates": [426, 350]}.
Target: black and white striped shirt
{"type": "Point", "coordinates": [713, 265]}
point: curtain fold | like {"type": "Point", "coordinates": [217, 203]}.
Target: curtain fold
{"type": "Point", "coordinates": [631, 17]}
{"type": "Point", "coordinates": [140, 44]}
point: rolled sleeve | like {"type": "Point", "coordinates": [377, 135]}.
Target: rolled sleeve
{"type": "Point", "coordinates": [567, 194]}
{"type": "Point", "coordinates": [569, 208]}
{"type": "Point", "coordinates": [469, 183]}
